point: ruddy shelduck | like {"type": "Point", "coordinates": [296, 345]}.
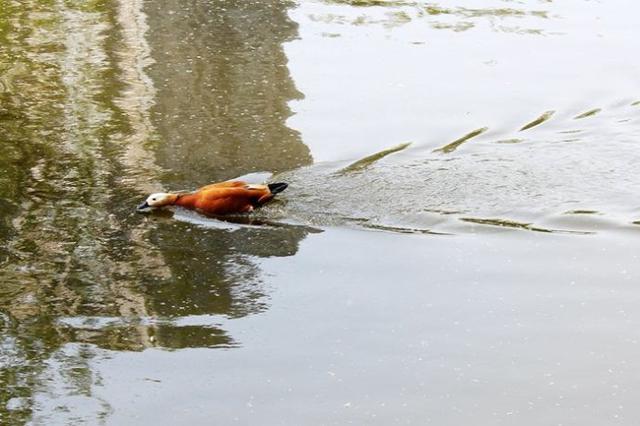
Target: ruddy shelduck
{"type": "Point", "coordinates": [218, 199]}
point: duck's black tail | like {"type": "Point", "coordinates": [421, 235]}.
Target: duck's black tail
{"type": "Point", "coordinates": [277, 187]}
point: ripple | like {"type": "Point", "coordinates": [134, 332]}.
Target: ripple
{"type": "Point", "coordinates": [592, 185]}
{"type": "Point", "coordinates": [589, 113]}
{"type": "Point", "coordinates": [506, 223]}
{"type": "Point", "coordinates": [538, 121]}
{"type": "Point", "coordinates": [367, 161]}
{"type": "Point", "coordinates": [455, 144]}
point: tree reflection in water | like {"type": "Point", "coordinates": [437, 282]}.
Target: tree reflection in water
{"type": "Point", "coordinates": [100, 103]}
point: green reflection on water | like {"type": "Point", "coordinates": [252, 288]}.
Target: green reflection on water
{"type": "Point", "coordinates": [101, 102]}
{"type": "Point", "coordinates": [449, 17]}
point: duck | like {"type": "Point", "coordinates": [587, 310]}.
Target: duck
{"type": "Point", "coordinates": [217, 199]}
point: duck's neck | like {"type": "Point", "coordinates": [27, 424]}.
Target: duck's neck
{"type": "Point", "coordinates": [185, 200]}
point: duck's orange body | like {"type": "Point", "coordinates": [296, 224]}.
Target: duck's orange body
{"type": "Point", "coordinates": [226, 198]}
{"type": "Point", "coordinates": [219, 198]}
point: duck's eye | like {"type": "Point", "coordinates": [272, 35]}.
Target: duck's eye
{"type": "Point", "coordinates": [153, 199]}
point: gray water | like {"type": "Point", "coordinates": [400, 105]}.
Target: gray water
{"type": "Point", "coordinates": [457, 245]}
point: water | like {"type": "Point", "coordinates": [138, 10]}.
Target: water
{"type": "Point", "coordinates": [482, 271]}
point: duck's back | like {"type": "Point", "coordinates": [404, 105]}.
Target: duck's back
{"type": "Point", "coordinates": [226, 198]}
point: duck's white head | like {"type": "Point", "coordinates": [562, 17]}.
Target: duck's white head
{"type": "Point", "coordinates": [159, 199]}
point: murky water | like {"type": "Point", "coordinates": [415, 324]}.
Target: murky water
{"type": "Point", "coordinates": [458, 243]}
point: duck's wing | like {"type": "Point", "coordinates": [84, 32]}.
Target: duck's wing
{"type": "Point", "coordinates": [226, 184]}
{"type": "Point", "coordinates": [255, 187]}
{"type": "Point", "coordinates": [233, 199]}
{"type": "Point", "coordinates": [260, 193]}
{"type": "Point", "coordinates": [237, 191]}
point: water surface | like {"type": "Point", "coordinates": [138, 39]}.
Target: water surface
{"type": "Point", "coordinates": [457, 245]}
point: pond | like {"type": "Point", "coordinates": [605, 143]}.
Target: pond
{"type": "Point", "coordinates": [459, 242]}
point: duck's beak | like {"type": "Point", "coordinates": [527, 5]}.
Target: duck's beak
{"type": "Point", "coordinates": [144, 206]}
